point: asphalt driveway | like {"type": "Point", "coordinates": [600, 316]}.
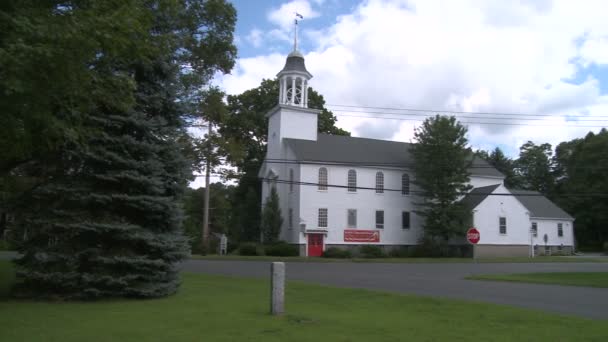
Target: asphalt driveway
{"type": "Point", "coordinates": [438, 280]}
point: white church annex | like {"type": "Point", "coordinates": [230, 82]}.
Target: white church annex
{"type": "Point", "coordinates": [338, 191]}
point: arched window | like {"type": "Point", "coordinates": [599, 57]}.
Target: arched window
{"type": "Point", "coordinates": [272, 180]}
{"type": "Point", "coordinates": [352, 180]}
{"type": "Point", "coordinates": [405, 184]}
{"type": "Point", "coordinates": [290, 180]}
{"type": "Point", "coordinates": [379, 182]}
{"type": "Point", "coordinates": [322, 179]}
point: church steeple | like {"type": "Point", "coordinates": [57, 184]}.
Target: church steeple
{"type": "Point", "coordinates": [293, 79]}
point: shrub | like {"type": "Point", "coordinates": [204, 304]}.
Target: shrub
{"type": "Point", "coordinates": [400, 252]}
{"type": "Point", "coordinates": [281, 248]}
{"type": "Point", "coordinates": [335, 252]}
{"type": "Point", "coordinates": [5, 245]}
{"type": "Point", "coordinates": [248, 248]}
{"type": "Point", "coordinates": [371, 251]}
{"type": "Point", "coordinates": [605, 247]}
{"type": "Point", "coordinates": [428, 248]}
{"type": "Point", "coordinates": [232, 247]}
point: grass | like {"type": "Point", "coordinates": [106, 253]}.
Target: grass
{"type": "Point", "coordinates": [215, 308]}
{"type": "Point", "coordinates": [7, 277]}
{"type": "Point", "coordinates": [591, 279]}
{"type": "Point", "coordinates": [543, 259]}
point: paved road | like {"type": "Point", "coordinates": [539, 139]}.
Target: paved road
{"type": "Point", "coordinates": [439, 280]}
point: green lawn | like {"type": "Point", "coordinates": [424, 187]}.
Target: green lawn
{"type": "Point", "coordinates": [543, 259]}
{"type": "Point", "coordinates": [593, 279]}
{"type": "Point", "coordinates": [214, 308]}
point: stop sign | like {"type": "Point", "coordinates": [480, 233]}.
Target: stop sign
{"type": "Point", "coordinates": [473, 235]}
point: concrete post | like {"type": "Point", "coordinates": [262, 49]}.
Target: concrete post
{"type": "Point", "coordinates": [277, 288]}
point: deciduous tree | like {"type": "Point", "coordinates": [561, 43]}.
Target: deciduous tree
{"type": "Point", "coordinates": [441, 162]}
{"type": "Point", "coordinates": [582, 186]}
{"type": "Point", "coordinates": [534, 167]}
{"type": "Point", "coordinates": [102, 216]}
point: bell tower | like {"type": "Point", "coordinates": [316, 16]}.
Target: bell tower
{"type": "Point", "coordinates": [291, 118]}
{"type": "Point", "coordinates": [293, 79]}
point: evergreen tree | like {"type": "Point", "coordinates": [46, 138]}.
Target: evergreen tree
{"type": "Point", "coordinates": [504, 165]}
{"type": "Point", "coordinates": [441, 163]}
{"type": "Point", "coordinates": [534, 167]}
{"type": "Point", "coordinates": [582, 186]}
{"type": "Point", "coordinates": [102, 219]}
{"type": "Point", "coordinates": [271, 218]}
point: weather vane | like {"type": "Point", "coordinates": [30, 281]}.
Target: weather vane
{"type": "Point", "coordinates": [295, 34]}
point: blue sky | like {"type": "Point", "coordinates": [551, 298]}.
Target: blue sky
{"type": "Point", "coordinates": [545, 58]}
{"type": "Point", "coordinates": [598, 71]}
{"type": "Point", "coordinates": [253, 15]}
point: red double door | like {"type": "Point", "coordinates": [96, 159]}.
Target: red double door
{"type": "Point", "coordinates": [315, 245]}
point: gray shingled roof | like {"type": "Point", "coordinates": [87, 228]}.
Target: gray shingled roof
{"type": "Point", "coordinates": [540, 206]}
{"type": "Point", "coordinates": [478, 195]}
{"type": "Point", "coordinates": [369, 152]}
{"type": "Point", "coordinates": [295, 62]}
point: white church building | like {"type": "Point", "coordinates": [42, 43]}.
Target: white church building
{"type": "Point", "coordinates": [339, 191]}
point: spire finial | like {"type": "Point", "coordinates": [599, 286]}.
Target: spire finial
{"type": "Point", "coordinates": [295, 30]}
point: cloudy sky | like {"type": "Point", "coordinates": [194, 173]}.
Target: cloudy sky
{"type": "Point", "coordinates": [492, 58]}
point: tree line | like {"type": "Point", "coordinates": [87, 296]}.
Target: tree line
{"type": "Point", "coordinates": [573, 175]}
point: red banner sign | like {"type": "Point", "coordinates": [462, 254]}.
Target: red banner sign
{"type": "Point", "coordinates": [356, 235]}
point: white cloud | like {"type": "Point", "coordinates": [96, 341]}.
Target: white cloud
{"type": "Point", "coordinates": [285, 14]}
{"type": "Point", "coordinates": [249, 72]}
{"type": "Point", "coordinates": [379, 129]}
{"type": "Point", "coordinates": [595, 50]}
{"type": "Point", "coordinates": [278, 34]}
{"type": "Point", "coordinates": [483, 56]}
{"type": "Point", "coordinates": [255, 37]}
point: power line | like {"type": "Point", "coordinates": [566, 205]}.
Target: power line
{"type": "Point", "coordinates": [476, 122]}
{"type": "Point", "coordinates": [466, 117]}
{"type": "Point", "coordinates": [453, 111]}
{"type": "Point", "coordinates": [283, 181]}
{"type": "Point", "coordinates": [421, 118]}
{"type": "Point", "coordinates": [361, 164]}
{"type": "Point", "coordinates": [379, 164]}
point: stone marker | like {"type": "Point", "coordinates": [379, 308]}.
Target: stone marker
{"type": "Point", "coordinates": [277, 288]}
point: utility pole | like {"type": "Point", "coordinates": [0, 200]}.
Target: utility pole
{"type": "Point", "coordinates": [206, 209]}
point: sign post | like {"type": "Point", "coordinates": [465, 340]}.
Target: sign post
{"type": "Point", "coordinates": [473, 237]}
{"type": "Point", "coordinates": [277, 288]}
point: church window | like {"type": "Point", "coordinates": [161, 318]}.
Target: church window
{"type": "Point", "coordinates": [379, 182]}
{"type": "Point", "coordinates": [352, 181]}
{"type": "Point", "coordinates": [322, 179]}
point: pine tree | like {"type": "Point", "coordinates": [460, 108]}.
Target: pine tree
{"type": "Point", "coordinates": [111, 225]}
{"type": "Point", "coordinates": [271, 218]}
{"type": "Point", "coordinates": [504, 165]}
{"type": "Point", "coordinates": [103, 218]}
{"type": "Point", "coordinates": [441, 162]}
